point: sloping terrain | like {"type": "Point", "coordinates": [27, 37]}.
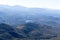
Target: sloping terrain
{"type": "Point", "coordinates": [30, 30]}
{"type": "Point", "coordinates": [7, 32]}
{"type": "Point", "coordinates": [33, 30]}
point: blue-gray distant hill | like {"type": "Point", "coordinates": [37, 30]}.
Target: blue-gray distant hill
{"type": "Point", "coordinates": [16, 15]}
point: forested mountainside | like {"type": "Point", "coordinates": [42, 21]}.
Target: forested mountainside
{"type": "Point", "coordinates": [28, 30]}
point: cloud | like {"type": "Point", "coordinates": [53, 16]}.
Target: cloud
{"type": "Point", "coordinates": [53, 4]}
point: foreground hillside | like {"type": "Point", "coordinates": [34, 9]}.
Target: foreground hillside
{"type": "Point", "coordinates": [26, 31]}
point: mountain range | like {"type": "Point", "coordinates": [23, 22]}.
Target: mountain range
{"type": "Point", "coordinates": [21, 22]}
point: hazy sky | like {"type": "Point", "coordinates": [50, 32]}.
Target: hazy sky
{"type": "Point", "coordinates": [53, 4]}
